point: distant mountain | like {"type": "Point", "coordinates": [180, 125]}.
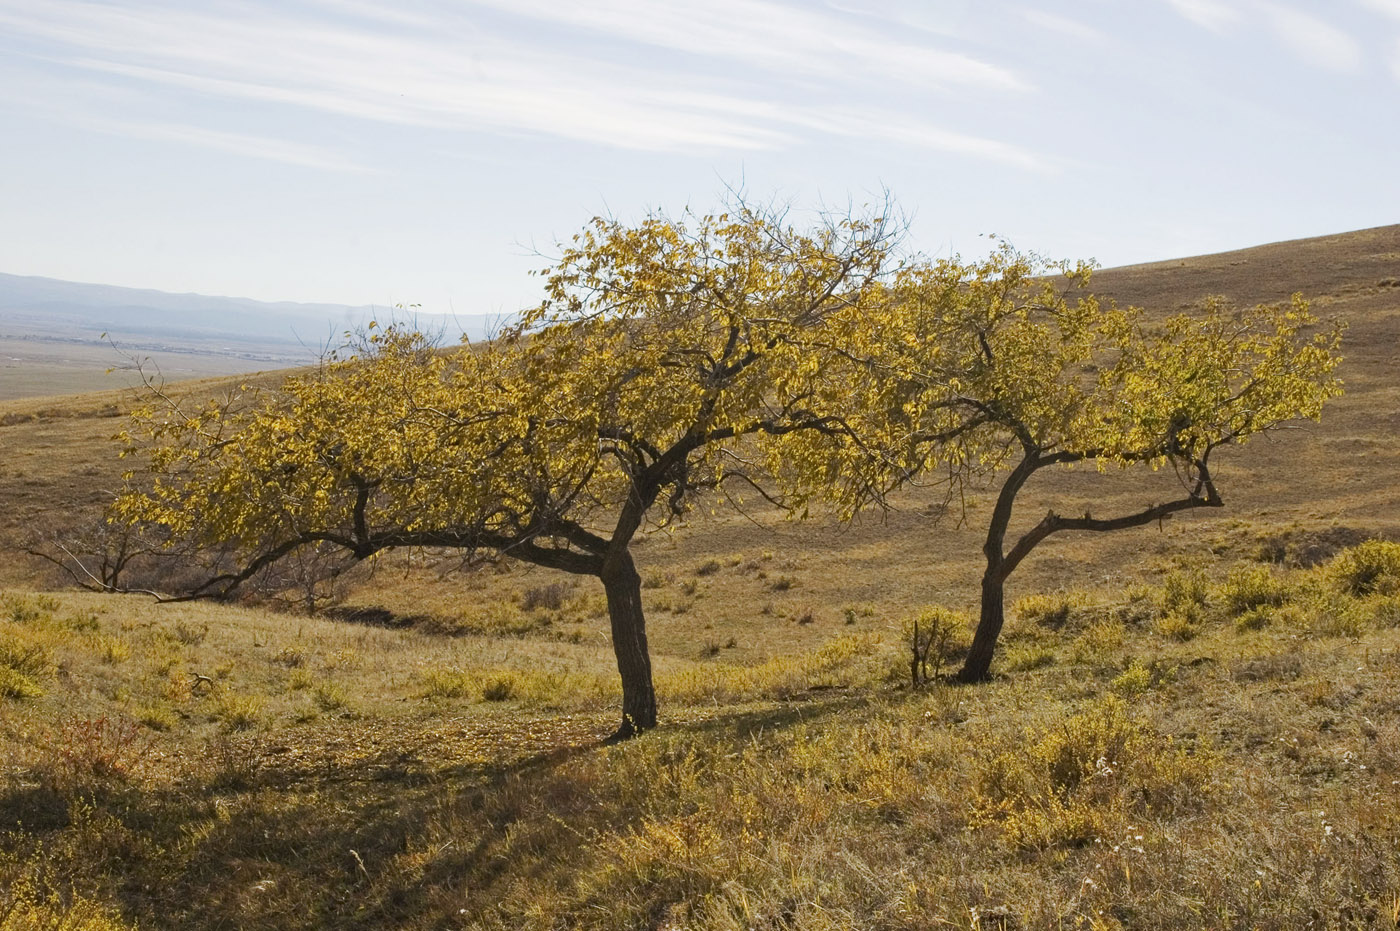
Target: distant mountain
{"type": "Point", "coordinates": [34, 308]}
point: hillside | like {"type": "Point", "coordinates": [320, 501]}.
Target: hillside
{"type": "Point", "coordinates": [1193, 726]}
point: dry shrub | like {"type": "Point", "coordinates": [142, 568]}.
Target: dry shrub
{"type": "Point", "coordinates": [1184, 592]}
{"type": "Point", "coordinates": [1250, 587]}
{"type": "Point", "coordinates": [96, 756]}
{"type": "Point", "coordinates": [29, 903]}
{"type": "Point", "coordinates": [936, 635]}
{"type": "Point", "coordinates": [549, 597]}
{"type": "Point", "coordinates": [1053, 610]}
{"type": "Point", "coordinates": [1367, 568]}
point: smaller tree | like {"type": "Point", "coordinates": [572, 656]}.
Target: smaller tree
{"type": "Point", "coordinates": [970, 370]}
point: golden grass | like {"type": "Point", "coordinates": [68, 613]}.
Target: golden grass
{"type": "Point", "coordinates": [330, 775]}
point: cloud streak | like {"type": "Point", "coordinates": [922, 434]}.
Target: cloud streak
{"type": "Point", "coordinates": [457, 70]}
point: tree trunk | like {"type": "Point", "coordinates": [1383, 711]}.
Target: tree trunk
{"type": "Point", "coordinates": [978, 665]}
{"type": "Point", "coordinates": [623, 586]}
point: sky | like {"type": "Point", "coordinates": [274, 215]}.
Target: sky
{"type": "Point", "coordinates": [431, 152]}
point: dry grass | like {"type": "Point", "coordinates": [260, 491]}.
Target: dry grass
{"type": "Point", "coordinates": [1198, 727]}
{"type": "Point", "coordinates": [330, 775]}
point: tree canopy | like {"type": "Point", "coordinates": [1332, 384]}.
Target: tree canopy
{"type": "Point", "coordinates": [1010, 365]}
{"type": "Point", "coordinates": [624, 395]}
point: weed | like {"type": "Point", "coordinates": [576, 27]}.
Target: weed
{"type": "Point", "coordinates": [293, 656]}
{"type": "Point", "coordinates": [446, 683]}
{"type": "Point", "coordinates": [157, 717]}
{"type": "Point", "coordinates": [708, 567]}
{"type": "Point", "coordinates": [111, 650]}
{"type": "Point", "coordinates": [188, 634]}
{"type": "Point", "coordinates": [1027, 658]}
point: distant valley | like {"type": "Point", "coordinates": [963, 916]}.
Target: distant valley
{"type": "Point", "coordinates": [63, 337]}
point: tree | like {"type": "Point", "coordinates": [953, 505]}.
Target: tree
{"type": "Point", "coordinates": [969, 370]}
{"type": "Point", "coordinates": [629, 391]}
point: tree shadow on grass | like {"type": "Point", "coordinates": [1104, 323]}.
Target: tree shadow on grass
{"type": "Point", "coordinates": [381, 842]}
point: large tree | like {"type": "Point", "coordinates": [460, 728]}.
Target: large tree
{"type": "Point", "coordinates": [1010, 366]}
{"type": "Point", "coordinates": [658, 348]}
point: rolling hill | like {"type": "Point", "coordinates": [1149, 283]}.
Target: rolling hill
{"type": "Point", "coordinates": [1193, 726]}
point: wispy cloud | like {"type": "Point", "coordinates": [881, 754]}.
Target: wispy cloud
{"type": "Point", "coordinates": [1063, 25]}
{"type": "Point", "coordinates": [456, 69]}
{"type": "Point", "coordinates": [1210, 14]}
{"type": "Point", "coordinates": [773, 36]}
{"type": "Point", "coordinates": [261, 147]}
{"type": "Point", "coordinates": [1389, 8]}
{"type": "Point", "coordinates": [1313, 40]}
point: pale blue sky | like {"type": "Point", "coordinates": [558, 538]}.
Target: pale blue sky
{"type": "Point", "coordinates": [358, 152]}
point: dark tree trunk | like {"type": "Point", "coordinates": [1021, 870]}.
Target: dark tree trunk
{"type": "Point", "coordinates": [978, 665]}
{"type": "Point", "coordinates": [623, 586]}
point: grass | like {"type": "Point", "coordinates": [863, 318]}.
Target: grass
{"type": "Point", "coordinates": [1196, 726]}
{"type": "Point", "coordinates": [1118, 778]}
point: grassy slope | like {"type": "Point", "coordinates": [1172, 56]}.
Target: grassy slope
{"type": "Point", "coordinates": [334, 774]}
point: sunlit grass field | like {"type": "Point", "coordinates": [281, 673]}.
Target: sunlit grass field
{"type": "Point", "coordinates": [1192, 726]}
{"type": "Point", "coordinates": [1205, 752]}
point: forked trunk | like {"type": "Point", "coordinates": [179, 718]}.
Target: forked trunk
{"type": "Point", "coordinates": [623, 586]}
{"type": "Point", "coordinates": [978, 665]}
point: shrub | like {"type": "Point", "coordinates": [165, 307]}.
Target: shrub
{"type": "Point", "coordinates": [1100, 638]}
{"type": "Point", "coordinates": [1249, 587]}
{"type": "Point", "coordinates": [1053, 610]}
{"type": "Point", "coordinates": [96, 755]}
{"type": "Point", "coordinates": [1367, 568]}
{"type": "Point", "coordinates": [550, 597]}
{"type": "Point", "coordinates": [238, 712]}
{"type": "Point", "coordinates": [708, 567]}
{"type": "Point", "coordinates": [499, 688]}
{"type": "Point", "coordinates": [1254, 619]}
{"type": "Point", "coordinates": [1178, 626]}
{"type": "Point", "coordinates": [446, 683]}
{"type": "Point", "coordinates": [1184, 591]}
{"type": "Point", "coordinates": [25, 651]}
{"type": "Point", "coordinates": [935, 636]}
{"type": "Point", "coordinates": [17, 685]}
{"type": "Point", "coordinates": [1135, 680]}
